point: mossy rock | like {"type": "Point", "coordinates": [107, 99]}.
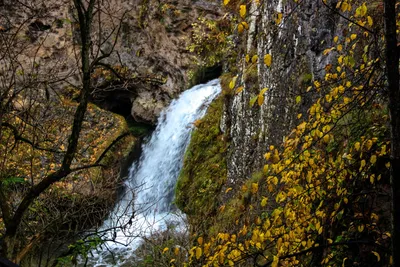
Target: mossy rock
{"type": "Point", "coordinates": [204, 171]}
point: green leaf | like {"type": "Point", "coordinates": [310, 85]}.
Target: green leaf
{"type": "Point", "coordinates": [232, 83]}
{"type": "Point", "coordinates": [13, 180]}
{"type": "Point", "coordinates": [352, 62]}
{"type": "Point", "coordinates": [253, 100]}
{"type": "Point", "coordinates": [298, 99]}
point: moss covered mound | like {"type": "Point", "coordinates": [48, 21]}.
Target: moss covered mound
{"type": "Point", "coordinates": [204, 171]}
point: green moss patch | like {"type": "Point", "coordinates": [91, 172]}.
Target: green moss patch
{"type": "Point", "coordinates": [204, 171]}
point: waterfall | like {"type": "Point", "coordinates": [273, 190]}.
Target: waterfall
{"type": "Point", "coordinates": [147, 204]}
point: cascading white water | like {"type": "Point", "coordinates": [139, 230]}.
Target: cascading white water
{"type": "Point", "coordinates": [147, 205]}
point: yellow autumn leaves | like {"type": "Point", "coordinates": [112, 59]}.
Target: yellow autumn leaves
{"type": "Point", "coordinates": [261, 96]}
{"type": "Point", "coordinates": [268, 60]}
{"type": "Point", "coordinates": [304, 188]}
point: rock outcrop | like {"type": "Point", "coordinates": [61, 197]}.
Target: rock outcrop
{"type": "Point", "coordinates": [296, 48]}
{"type": "Point", "coordinates": [153, 42]}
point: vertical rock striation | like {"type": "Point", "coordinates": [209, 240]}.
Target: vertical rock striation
{"type": "Point", "coordinates": [296, 46]}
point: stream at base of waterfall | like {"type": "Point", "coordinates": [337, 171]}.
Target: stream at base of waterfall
{"type": "Point", "coordinates": [146, 205]}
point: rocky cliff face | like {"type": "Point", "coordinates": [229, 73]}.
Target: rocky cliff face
{"type": "Point", "coordinates": [155, 43]}
{"type": "Point", "coordinates": [154, 36]}
{"type": "Point", "coordinates": [296, 47]}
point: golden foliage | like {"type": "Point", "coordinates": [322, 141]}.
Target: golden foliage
{"type": "Point", "coordinates": [307, 198]}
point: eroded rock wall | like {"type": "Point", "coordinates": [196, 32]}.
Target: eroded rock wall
{"type": "Point", "coordinates": [154, 36]}
{"type": "Point", "coordinates": [296, 46]}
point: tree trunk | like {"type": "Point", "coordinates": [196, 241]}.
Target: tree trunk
{"type": "Point", "coordinates": [12, 224]}
{"type": "Point", "coordinates": [392, 71]}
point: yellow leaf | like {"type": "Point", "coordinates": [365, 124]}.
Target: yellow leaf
{"type": "Point", "coordinates": [344, 6]}
{"type": "Point", "coordinates": [279, 17]}
{"type": "Point", "coordinates": [336, 39]}
{"type": "Point", "coordinates": [320, 230]}
{"type": "Point", "coordinates": [372, 178]}
{"type": "Point", "coordinates": [327, 51]}
{"type": "Point", "coordinates": [260, 99]}
{"type": "Point", "coordinates": [268, 60]}
{"type": "Point", "coordinates": [275, 157]}
{"type": "Point", "coordinates": [240, 28]}
{"type": "Point", "coordinates": [232, 83]}
{"type": "Point", "coordinates": [362, 164]}
{"type": "Point", "coordinates": [377, 255]}
{"type": "Point", "coordinates": [228, 189]}
{"type": "Point", "coordinates": [263, 92]}
{"type": "Point", "coordinates": [298, 99]}
{"type": "Point", "coordinates": [199, 252]}
{"type": "Point", "coordinates": [361, 228]}
{"type": "Point", "coordinates": [261, 96]}
{"type": "Point", "coordinates": [165, 250]}
{"type": "Point", "coordinates": [245, 25]}
{"type": "Point", "coordinates": [254, 188]}
{"type": "Point", "coordinates": [264, 202]}
{"type": "Point", "coordinates": [339, 47]}
{"type": "Point", "coordinates": [176, 251]}
{"type": "Point", "coordinates": [275, 262]}
{"type": "Point", "coordinates": [353, 36]}
{"type": "Point", "coordinates": [346, 100]}
{"type": "Point", "coordinates": [266, 168]}
{"type": "Point", "coordinates": [200, 240]}
{"type": "Point", "coordinates": [364, 9]}
{"type": "Point", "coordinates": [226, 2]}
{"type": "Point", "coordinates": [343, 262]}
{"type": "Point", "coordinates": [242, 11]}
{"type": "Point", "coordinates": [373, 159]}
{"type": "Point", "coordinates": [368, 145]}
{"type": "Point", "coordinates": [254, 59]}
{"type": "Point", "coordinates": [239, 90]}
{"type": "Point", "coordinates": [267, 155]}
{"type": "Point", "coordinates": [357, 146]}
{"type": "Point", "coordinates": [370, 21]}
{"type": "Point", "coordinates": [247, 58]}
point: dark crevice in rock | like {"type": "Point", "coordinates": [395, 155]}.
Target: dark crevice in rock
{"type": "Point", "coordinates": [206, 74]}
{"type": "Point", "coordinates": [118, 101]}
{"type": "Point", "coordinates": [38, 26]}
